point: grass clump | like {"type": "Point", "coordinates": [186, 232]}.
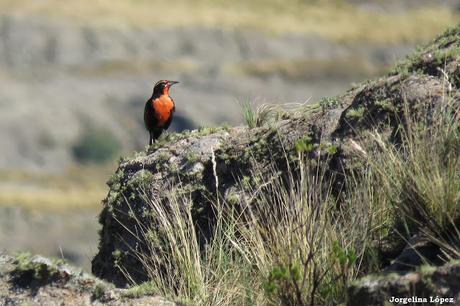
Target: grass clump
{"type": "Point", "coordinates": [420, 178]}
{"type": "Point", "coordinates": [279, 243]}
{"type": "Point", "coordinates": [268, 114]}
{"type": "Point", "coordinates": [263, 114]}
{"type": "Point", "coordinates": [304, 249]}
{"type": "Point", "coordinates": [248, 112]}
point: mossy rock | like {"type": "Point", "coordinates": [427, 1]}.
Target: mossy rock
{"type": "Point", "coordinates": [27, 279]}
{"type": "Point", "coordinates": [326, 132]}
{"type": "Point", "coordinates": [427, 281]}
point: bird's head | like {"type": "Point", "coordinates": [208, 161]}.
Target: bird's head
{"type": "Point", "coordinates": [162, 87]}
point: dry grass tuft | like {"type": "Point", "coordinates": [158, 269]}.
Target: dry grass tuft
{"type": "Point", "coordinates": [284, 243]}
{"type": "Point", "coordinates": [419, 180]}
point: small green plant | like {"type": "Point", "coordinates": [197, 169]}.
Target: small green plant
{"type": "Point", "coordinates": [203, 131]}
{"type": "Point", "coordinates": [355, 113]}
{"type": "Point", "coordinates": [304, 145]}
{"type": "Point", "coordinates": [329, 102]}
{"type": "Point", "coordinates": [385, 105]}
{"type": "Point", "coordinates": [345, 257]}
{"type": "Point", "coordinates": [281, 277]}
{"type": "Point", "coordinates": [191, 158]}
{"type": "Point", "coordinates": [246, 182]}
{"type": "Point", "coordinates": [331, 150]}
{"type": "Point", "coordinates": [98, 292]}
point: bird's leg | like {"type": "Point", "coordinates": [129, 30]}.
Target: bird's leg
{"type": "Point", "coordinates": [150, 139]}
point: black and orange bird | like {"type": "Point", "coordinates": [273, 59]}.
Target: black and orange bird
{"type": "Point", "coordinates": [159, 109]}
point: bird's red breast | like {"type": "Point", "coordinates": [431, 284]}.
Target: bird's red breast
{"type": "Point", "coordinates": [162, 106]}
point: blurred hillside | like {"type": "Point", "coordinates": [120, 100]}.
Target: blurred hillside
{"type": "Point", "coordinates": [75, 68]}
{"type": "Point", "coordinates": [74, 77]}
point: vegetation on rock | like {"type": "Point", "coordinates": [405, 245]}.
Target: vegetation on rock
{"type": "Point", "coordinates": [27, 279]}
{"type": "Point", "coordinates": [293, 209]}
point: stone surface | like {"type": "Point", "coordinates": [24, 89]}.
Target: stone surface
{"type": "Point", "coordinates": [37, 280]}
{"type": "Point", "coordinates": [427, 283]}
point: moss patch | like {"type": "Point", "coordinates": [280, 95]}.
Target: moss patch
{"type": "Point", "coordinates": [143, 289]}
{"type": "Point", "coordinates": [28, 271]}
{"type": "Point", "coordinates": [355, 113]}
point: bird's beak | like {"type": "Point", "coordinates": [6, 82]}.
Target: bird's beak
{"type": "Point", "coordinates": [171, 83]}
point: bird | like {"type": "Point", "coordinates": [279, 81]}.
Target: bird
{"type": "Point", "coordinates": [159, 110]}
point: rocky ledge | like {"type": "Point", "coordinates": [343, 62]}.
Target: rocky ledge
{"type": "Point", "coordinates": [37, 280]}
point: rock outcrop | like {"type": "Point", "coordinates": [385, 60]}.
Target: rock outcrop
{"type": "Point", "coordinates": [427, 286]}
{"type": "Point", "coordinates": [190, 162]}
{"type": "Point", "coordinates": [36, 280]}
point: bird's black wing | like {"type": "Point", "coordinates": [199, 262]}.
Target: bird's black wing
{"type": "Point", "coordinates": [168, 123]}
{"type": "Point", "coordinates": [150, 119]}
